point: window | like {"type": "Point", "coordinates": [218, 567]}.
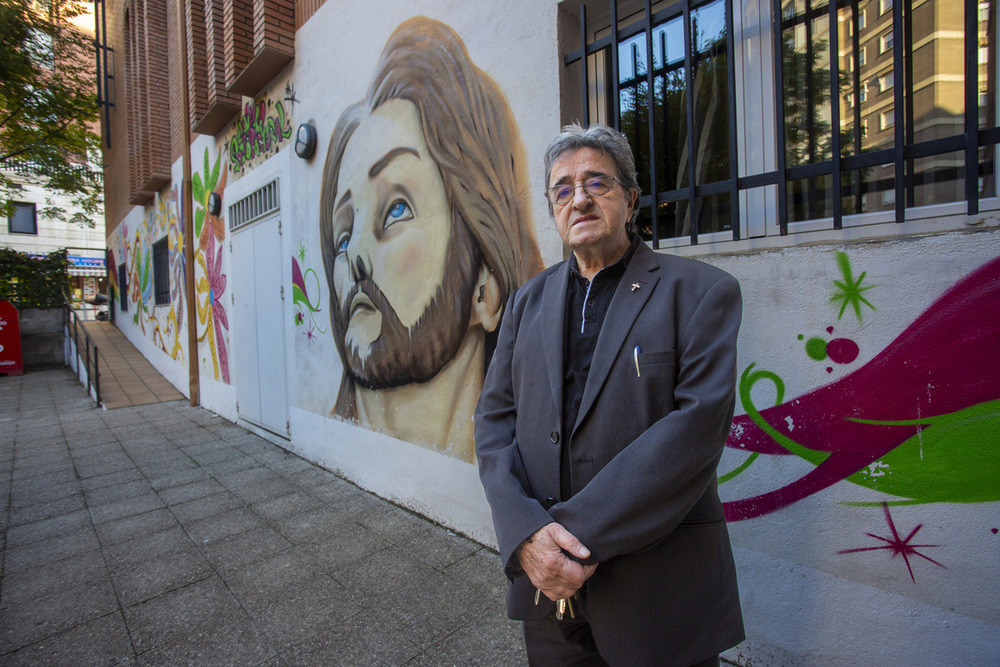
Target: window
{"type": "Point", "coordinates": [122, 288]}
{"type": "Point", "coordinates": [837, 151]}
{"type": "Point", "coordinates": [161, 272]}
{"type": "Point", "coordinates": [885, 81]}
{"type": "Point", "coordinates": [885, 42]}
{"type": "Point", "coordinates": [886, 119]}
{"type": "Point", "coordinates": [23, 220]}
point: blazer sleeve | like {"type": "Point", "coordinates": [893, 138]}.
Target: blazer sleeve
{"type": "Point", "coordinates": [516, 514]}
{"type": "Point", "coordinates": [653, 483]}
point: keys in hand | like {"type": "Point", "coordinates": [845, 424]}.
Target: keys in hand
{"type": "Point", "coordinates": [561, 606]}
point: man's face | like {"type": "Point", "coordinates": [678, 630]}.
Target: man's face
{"type": "Point", "coordinates": [590, 223]}
{"type": "Point", "coordinates": [399, 317]}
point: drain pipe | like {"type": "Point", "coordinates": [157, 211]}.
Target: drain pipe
{"type": "Point", "coordinates": [187, 207]}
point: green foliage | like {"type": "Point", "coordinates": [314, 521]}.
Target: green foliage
{"type": "Point", "coordinates": [48, 107]}
{"type": "Point", "coordinates": [32, 282]}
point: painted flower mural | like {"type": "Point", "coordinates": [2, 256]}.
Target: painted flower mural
{"type": "Point", "coordinates": [211, 283]}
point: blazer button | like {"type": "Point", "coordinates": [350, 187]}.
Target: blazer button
{"type": "Point", "coordinates": [554, 437]}
{"type": "Point", "coordinates": [550, 501]}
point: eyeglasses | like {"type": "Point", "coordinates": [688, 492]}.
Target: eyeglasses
{"type": "Point", "coordinates": [596, 186]}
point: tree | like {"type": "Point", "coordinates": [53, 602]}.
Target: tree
{"type": "Point", "coordinates": [48, 107]}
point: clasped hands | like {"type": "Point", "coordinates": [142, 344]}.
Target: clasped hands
{"type": "Point", "coordinates": [543, 558]}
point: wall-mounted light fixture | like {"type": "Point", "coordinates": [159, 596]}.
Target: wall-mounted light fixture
{"type": "Point", "coordinates": [305, 141]}
{"type": "Point", "coordinates": [214, 203]}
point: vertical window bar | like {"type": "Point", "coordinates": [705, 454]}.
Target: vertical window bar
{"type": "Point", "coordinates": [615, 93]}
{"type": "Point", "coordinates": [900, 137]}
{"type": "Point", "coordinates": [689, 111]}
{"type": "Point", "coordinates": [972, 106]}
{"type": "Point", "coordinates": [856, 92]}
{"type": "Point", "coordinates": [779, 103]}
{"type": "Point", "coordinates": [811, 204]}
{"type": "Point", "coordinates": [734, 190]}
{"type": "Point", "coordinates": [838, 207]}
{"type": "Point", "coordinates": [583, 65]}
{"type": "Point", "coordinates": [908, 108]}
{"type": "Point", "coordinates": [651, 125]}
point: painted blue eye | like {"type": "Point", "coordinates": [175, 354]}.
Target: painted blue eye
{"type": "Point", "coordinates": [398, 212]}
{"type": "Point", "coordinates": [342, 244]}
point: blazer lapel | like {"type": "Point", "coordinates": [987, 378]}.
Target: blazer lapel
{"type": "Point", "coordinates": [634, 289]}
{"type": "Point", "coordinates": [553, 321]}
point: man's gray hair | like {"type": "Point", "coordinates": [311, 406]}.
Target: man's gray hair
{"type": "Point", "coordinates": [608, 141]}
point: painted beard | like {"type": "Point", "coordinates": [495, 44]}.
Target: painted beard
{"type": "Point", "coordinates": [402, 355]}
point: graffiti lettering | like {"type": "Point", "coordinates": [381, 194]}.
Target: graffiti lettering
{"type": "Point", "coordinates": [258, 133]}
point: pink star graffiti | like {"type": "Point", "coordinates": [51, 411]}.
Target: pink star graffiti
{"type": "Point", "coordinates": [310, 333]}
{"type": "Point", "coordinates": [898, 547]}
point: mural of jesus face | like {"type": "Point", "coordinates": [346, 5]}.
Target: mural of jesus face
{"type": "Point", "coordinates": [403, 271]}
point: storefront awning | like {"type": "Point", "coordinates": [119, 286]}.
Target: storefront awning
{"type": "Point", "coordinates": [86, 266]}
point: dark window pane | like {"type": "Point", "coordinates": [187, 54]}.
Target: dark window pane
{"type": "Point", "coordinates": [161, 272]}
{"type": "Point", "coordinates": [23, 219]}
{"type": "Point", "coordinates": [122, 288]}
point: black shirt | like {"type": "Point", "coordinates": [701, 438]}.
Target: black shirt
{"type": "Point", "coordinates": [587, 303]}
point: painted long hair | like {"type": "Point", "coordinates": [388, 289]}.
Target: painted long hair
{"type": "Point", "coordinates": [473, 138]}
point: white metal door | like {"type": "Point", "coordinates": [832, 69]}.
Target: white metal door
{"type": "Point", "coordinates": [259, 332]}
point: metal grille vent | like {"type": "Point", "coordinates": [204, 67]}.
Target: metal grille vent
{"type": "Point", "coordinates": [254, 206]}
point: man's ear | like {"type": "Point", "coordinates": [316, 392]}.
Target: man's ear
{"type": "Point", "coordinates": [486, 303]}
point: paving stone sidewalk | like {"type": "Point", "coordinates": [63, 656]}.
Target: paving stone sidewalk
{"type": "Point", "coordinates": [165, 535]}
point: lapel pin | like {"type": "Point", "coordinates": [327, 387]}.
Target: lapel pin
{"type": "Point", "coordinates": [635, 286]}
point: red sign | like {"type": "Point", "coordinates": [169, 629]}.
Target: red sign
{"type": "Point", "coordinates": [10, 341]}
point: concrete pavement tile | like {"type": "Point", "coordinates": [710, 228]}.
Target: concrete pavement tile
{"type": "Point", "coordinates": [267, 490]}
{"type": "Point", "coordinates": [46, 551]}
{"type": "Point", "coordinates": [26, 493]}
{"type": "Point", "coordinates": [483, 570]}
{"type": "Point", "coordinates": [223, 525]}
{"type": "Point", "coordinates": [103, 641]}
{"type": "Point", "coordinates": [228, 641]}
{"type": "Point", "coordinates": [102, 465]}
{"type": "Point", "coordinates": [116, 492]}
{"type": "Point", "coordinates": [194, 510]}
{"type": "Point", "coordinates": [163, 543]}
{"type": "Point", "coordinates": [26, 533]}
{"type": "Point", "coordinates": [170, 478]}
{"type": "Point", "coordinates": [238, 550]}
{"type": "Point", "coordinates": [315, 605]}
{"type": "Point", "coordinates": [37, 512]}
{"type": "Point", "coordinates": [180, 614]}
{"type": "Point", "coordinates": [51, 614]}
{"type": "Point", "coordinates": [111, 479]}
{"type": "Point", "coordinates": [386, 571]}
{"type": "Point", "coordinates": [159, 575]}
{"type": "Point", "coordinates": [232, 465]}
{"type": "Point", "coordinates": [134, 527]}
{"type": "Point", "coordinates": [288, 505]}
{"type": "Point", "coordinates": [312, 526]}
{"type": "Point", "coordinates": [432, 607]}
{"type": "Point", "coordinates": [126, 507]}
{"type": "Point", "coordinates": [437, 546]}
{"type": "Point", "coordinates": [487, 640]}
{"type": "Point", "coordinates": [270, 577]}
{"type": "Point", "coordinates": [349, 543]}
{"type": "Point", "coordinates": [44, 579]}
{"type": "Point", "coordinates": [359, 641]}
{"type": "Point", "coordinates": [182, 493]}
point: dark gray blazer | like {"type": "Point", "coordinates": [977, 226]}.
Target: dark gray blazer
{"type": "Point", "coordinates": [644, 451]}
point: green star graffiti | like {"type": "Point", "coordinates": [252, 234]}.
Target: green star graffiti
{"type": "Point", "coordinates": [849, 291]}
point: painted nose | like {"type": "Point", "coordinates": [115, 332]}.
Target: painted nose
{"type": "Point", "coordinates": [358, 269]}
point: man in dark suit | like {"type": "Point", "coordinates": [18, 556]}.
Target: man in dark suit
{"type": "Point", "coordinates": [599, 428]}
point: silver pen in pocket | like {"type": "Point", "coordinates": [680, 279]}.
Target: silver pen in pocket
{"type": "Point", "coordinates": [635, 355]}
